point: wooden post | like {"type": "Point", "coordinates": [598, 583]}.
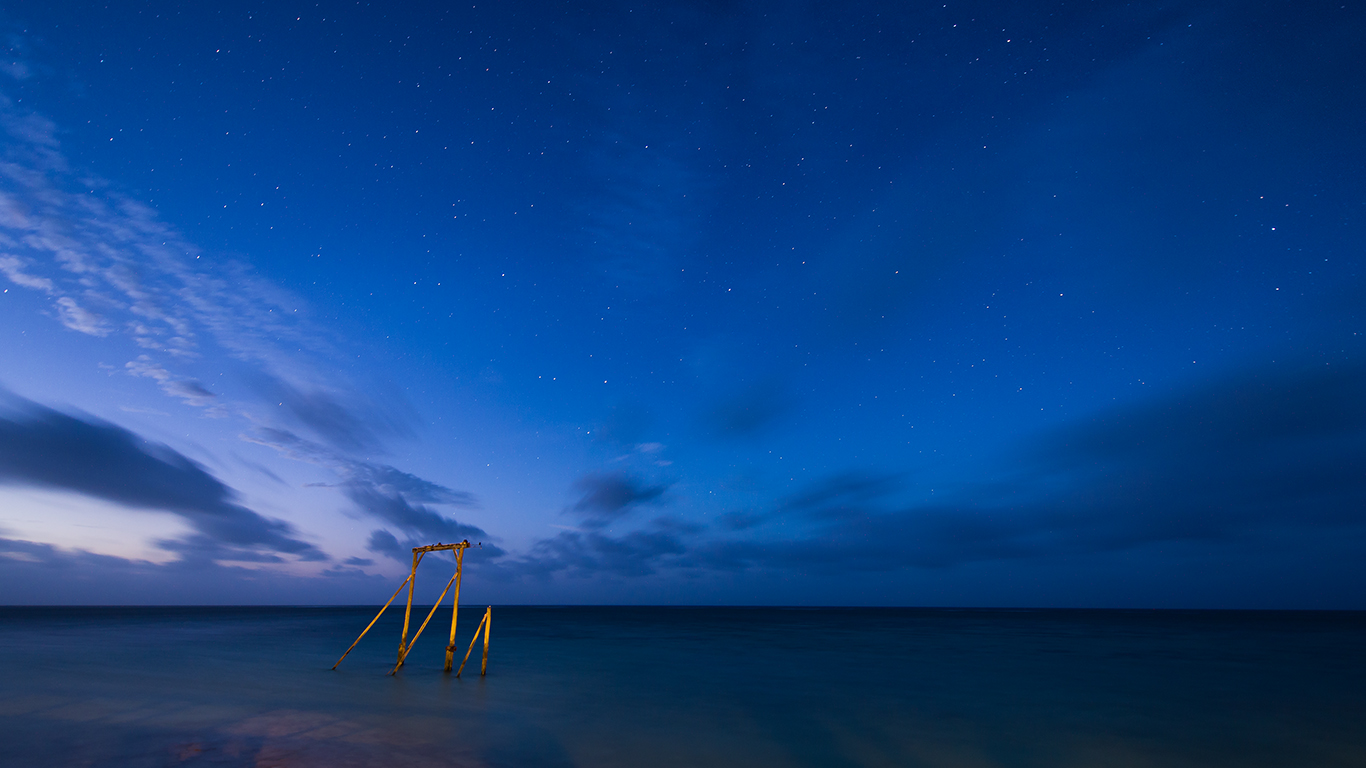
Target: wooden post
{"type": "Point", "coordinates": [412, 580]}
{"type": "Point", "coordinates": [488, 626]}
{"type": "Point", "coordinates": [372, 623]}
{"type": "Point", "coordinates": [455, 608]}
{"type": "Point", "coordinates": [432, 612]}
{"type": "Point", "coordinates": [472, 642]}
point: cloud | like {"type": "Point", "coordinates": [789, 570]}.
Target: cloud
{"type": "Point", "coordinates": [834, 495]}
{"type": "Point", "coordinates": [609, 496]}
{"type": "Point", "coordinates": [588, 554]}
{"type": "Point", "coordinates": [386, 544]}
{"type": "Point", "coordinates": [585, 552]}
{"type": "Point", "coordinates": [385, 493]}
{"type": "Point", "coordinates": [332, 419]}
{"type": "Point", "coordinates": [1246, 456]}
{"type": "Point", "coordinates": [35, 573]}
{"type": "Point", "coordinates": [382, 477]}
{"type": "Point", "coordinates": [207, 548]}
{"type": "Point", "coordinates": [41, 447]}
{"type": "Point", "coordinates": [114, 267]}
{"type": "Point", "coordinates": [1252, 459]}
{"type": "Point", "coordinates": [418, 519]}
{"type": "Point", "coordinates": [188, 390]}
{"type": "Point", "coordinates": [77, 318]}
{"type": "Point", "coordinates": [13, 268]}
{"type": "Point", "coordinates": [16, 69]}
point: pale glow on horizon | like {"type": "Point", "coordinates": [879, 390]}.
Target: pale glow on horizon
{"type": "Point", "coordinates": [71, 521]}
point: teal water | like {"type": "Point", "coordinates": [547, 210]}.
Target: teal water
{"type": "Point", "coordinates": [624, 686]}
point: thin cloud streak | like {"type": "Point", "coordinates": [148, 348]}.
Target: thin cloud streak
{"type": "Point", "coordinates": [397, 498]}
{"type": "Point", "coordinates": [111, 266]}
{"type": "Point", "coordinates": [607, 497]}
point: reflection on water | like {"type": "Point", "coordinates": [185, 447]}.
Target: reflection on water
{"type": "Point", "coordinates": [617, 687]}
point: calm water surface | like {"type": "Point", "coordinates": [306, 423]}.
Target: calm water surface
{"type": "Point", "coordinates": [618, 687]}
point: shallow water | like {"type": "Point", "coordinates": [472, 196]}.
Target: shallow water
{"type": "Point", "coordinates": [610, 687]}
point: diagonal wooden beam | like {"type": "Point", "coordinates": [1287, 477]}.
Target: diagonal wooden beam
{"type": "Point", "coordinates": [372, 621]}
{"type": "Point", "coordinates": [472, 642]}
{"type": "Point", "coordinates": [424, 625]}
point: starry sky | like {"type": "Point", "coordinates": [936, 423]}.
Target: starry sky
{"type": "Point", "coordinates": [990, 304]}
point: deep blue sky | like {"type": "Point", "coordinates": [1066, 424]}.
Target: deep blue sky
{"type": "Point", "coordinates": [857, 303]}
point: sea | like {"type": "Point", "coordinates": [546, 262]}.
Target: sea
{"type": "Point", "coordinates": [666, 687]}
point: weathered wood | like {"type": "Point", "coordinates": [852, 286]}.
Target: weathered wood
{"type": "Point", "coordinates": [442, 547]}
{"type": "Point", "coordinates": [418, 634]}
{"type": "Point", "coordinates": [455, 606]}
{"type": "Point", "coordinates": [407, 614]}
{"type": "Point", "coordinates": [372, 622]}
{"type": "Point", "coordinates": [488, 627]}
{"type": "Point", "coordinates": [405, 645]}
{"type": "Point", "coordinates": [472, 642]}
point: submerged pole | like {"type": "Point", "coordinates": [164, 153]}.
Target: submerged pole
{"type": "Point", "coordinates": [488, 627]}
{"type": "Point", "coordinates": [417, 634]}
{"type": "Point", "coordinates": [372, 622]}
{"type": "Point", "coordinates": [407, 614]}
{"type": "Point", "coordinates": [455, 607]}
{"type": "Point", "coordinates": [472, 642]}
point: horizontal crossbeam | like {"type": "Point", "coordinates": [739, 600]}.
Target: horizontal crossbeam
{"type": "Point", "coordinates": [442, 547]}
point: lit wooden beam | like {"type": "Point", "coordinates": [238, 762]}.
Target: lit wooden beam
{"type": "Point", "coordinates": [407, 614]}
{"type": "Point", "coordinates": [372, 622]}
{"type": "Point", "coordinates": [418, 634]}
{"type": "Point", "coordinates": [455, 604]}
{"type": "Point", "coordinates": [482, 622]}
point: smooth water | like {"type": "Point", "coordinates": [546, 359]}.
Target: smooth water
{"type": "Point", "coordinates": [757, 687]}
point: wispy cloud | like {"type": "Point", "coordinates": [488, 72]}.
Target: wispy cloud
{"type": "Point", "coordinates": [1241, 457]}
{"type": "Point", "coordinates": [77, 318]}
{"type": "Point", "coordinates": [334, 417]}
{"type": "Point", "coordinates": [188, 390]}
{"type": "Point", "coordinates": [397, 498]}
{"type": "Point", "coordinates": [13, 269]}
{"type": "Point", "coordinates": [606, 497]}
{"type": "Point", "coordinates": [111, 267]}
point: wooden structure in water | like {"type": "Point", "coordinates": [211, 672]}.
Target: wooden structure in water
{"type": "Point", "coordinates": [404, 645]}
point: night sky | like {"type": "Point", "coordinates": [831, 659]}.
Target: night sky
{"type": "Point", "coordinates": [990, 304]}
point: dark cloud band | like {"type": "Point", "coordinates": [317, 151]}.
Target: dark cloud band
{"type": "Point", "coordinates": [44, 448]}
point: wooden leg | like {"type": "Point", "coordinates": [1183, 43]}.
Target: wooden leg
{"type": "Point", "coordinates": [407, 614]}
{"type": "Point", "coordinates": [455, 609]}
{"type": "Point", "coordinates": [418, 634]}
{"type": "Point", "coordinates": [488, 626]}
{"type": "Point", "coordinates": [472, 642]}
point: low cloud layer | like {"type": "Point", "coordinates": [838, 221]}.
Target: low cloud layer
{"type": "Point", "coordinates": [1240, 457]}
{"type": "Point", "coordinates": [36, 573]}
{"type": "Point", "coordinates": [1221, 463]}
{"type": "Point", "coordinates": [44, 448]}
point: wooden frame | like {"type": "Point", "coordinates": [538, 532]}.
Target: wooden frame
{"type": "Point", "coordinates": [404, 645]}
